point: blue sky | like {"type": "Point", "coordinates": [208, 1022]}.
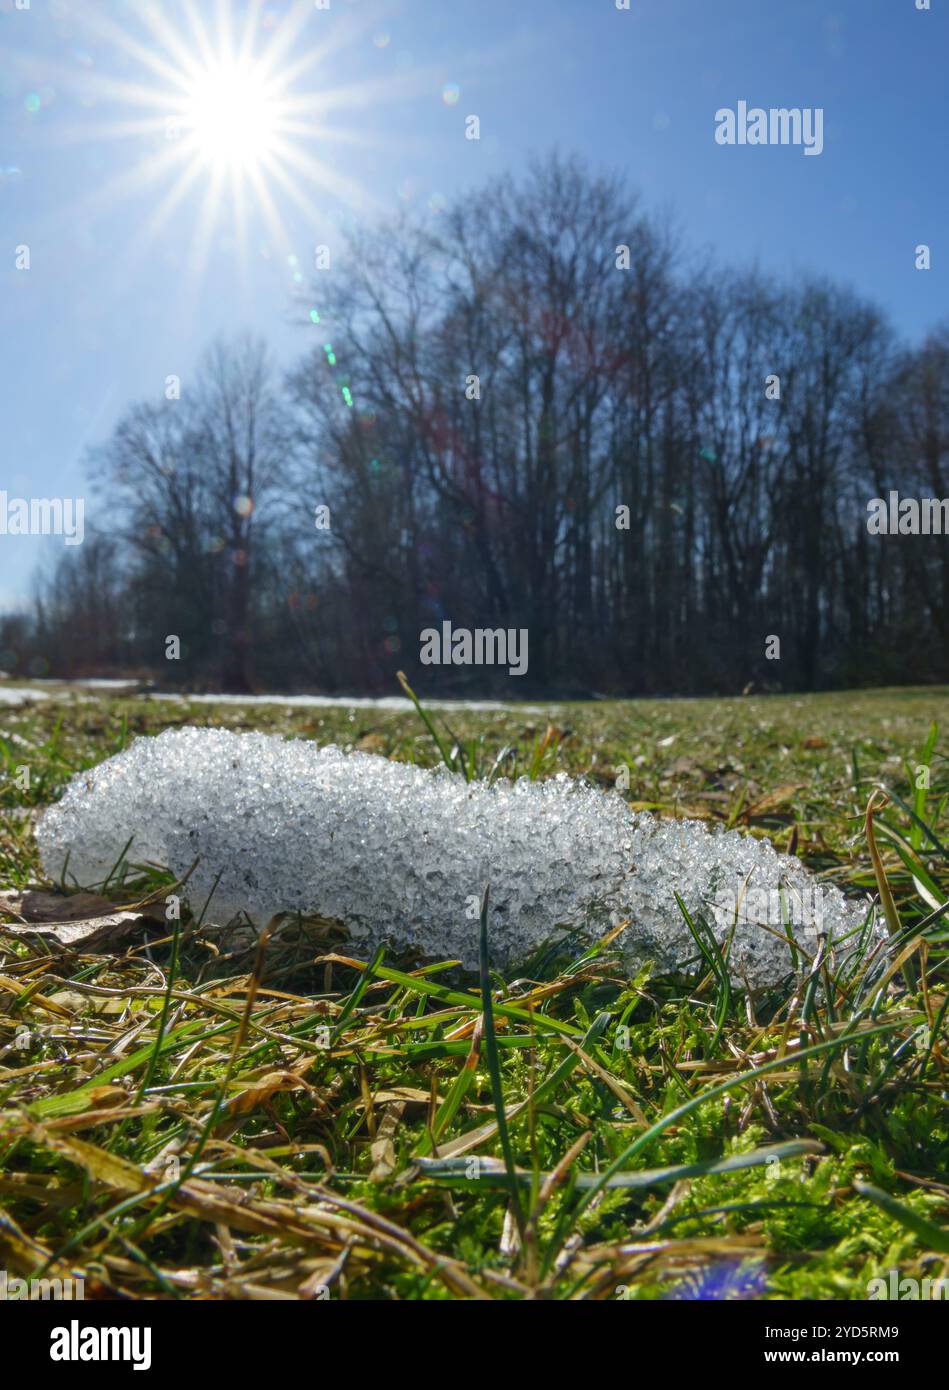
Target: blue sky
{"type": "Point", "coordinates": [107, 311]}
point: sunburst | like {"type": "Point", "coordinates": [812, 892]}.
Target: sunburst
{"type": "Point", "coordinates": [244, 115]}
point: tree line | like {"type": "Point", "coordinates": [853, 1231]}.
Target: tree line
{"type": "Point", "coordinates": [535, 411]}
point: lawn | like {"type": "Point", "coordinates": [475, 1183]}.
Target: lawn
{"type": "Point", "coordinates": [184, 1113]}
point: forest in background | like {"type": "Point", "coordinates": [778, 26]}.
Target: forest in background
{"type": "Point", "coordinates": [299, 531]}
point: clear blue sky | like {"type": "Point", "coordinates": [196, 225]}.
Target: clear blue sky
{"type": "Point", "coordinates": [109, 308]}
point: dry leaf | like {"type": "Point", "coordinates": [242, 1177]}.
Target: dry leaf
{"type": "Point", "coordinates": [105, 1097]}
{"type": "Point", "coordinates": [406, 1094]}
{"type": "Point", "coordinates": [38, 906]}
{"type": "Point", "coordinates": [263, 1088]}
{"type": "Point", "coordinates": [372, 743]}
{"type": "Point", "coordinates": [382, 1149]}
{"type": "Point", "coordinates": [683, 765]}
{"type": "Point", "coordinates": [69, 919]}
{"type": "Point", "coordinates": [772, 800]}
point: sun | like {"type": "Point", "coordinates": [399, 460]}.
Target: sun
{"type": "Point", "coordinates": [232, 115]}
{"type": "Point", "coordinates": [234, 121]}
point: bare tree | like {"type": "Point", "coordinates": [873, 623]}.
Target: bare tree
{"type": "Point", "coordinates": [188, 484]}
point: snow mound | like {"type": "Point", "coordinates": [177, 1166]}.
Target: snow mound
{"type": "Point", "coordinates": [401, 854]}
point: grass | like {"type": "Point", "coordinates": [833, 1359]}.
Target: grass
{"type": "Point", "coordinates": [188, 1112]}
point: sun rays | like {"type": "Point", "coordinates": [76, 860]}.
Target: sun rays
{"type": "Point", "coordinates": [233, 113]}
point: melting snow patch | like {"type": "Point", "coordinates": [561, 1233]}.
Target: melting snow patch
{"type": "Point", "coordinates": [401, 854]}
{"type": "Point", "coordinates": [18, 694]}
{"type": "Point", "coordinates": [94, 683]}
{"type": "Point", "coordinates": [393, 702]}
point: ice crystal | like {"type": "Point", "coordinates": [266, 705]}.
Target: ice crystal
{"type": "Point", "coordinates": [400, 854]}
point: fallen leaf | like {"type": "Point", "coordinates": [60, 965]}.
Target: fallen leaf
{"type": "Point", "coordinates": [772, 800]}
{"type": "Point", "coordinates": [263, 1088]}
{"type": "Point", "coordinates": [36, 906]}
{"type": "Point", "coordinates": [105, 1097]}
{"type": "Point", "coordinates": [683, 765]}
{"type": "Point", "coordinates": [406, 1094]}
{"type": "Point", "coordinates": [372, 743]}
{"type": "Point", "coordinates": [72, 1000]}
{"type": "Point", "coordinates": [69, 919]}
{"type": "Point", "coordinates": [382, 1149]}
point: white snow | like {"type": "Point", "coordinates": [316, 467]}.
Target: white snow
{"type": "Point", "coordinates": [401, 854]}
{"type": "Point", "coordinates": [14, 695]}
{"type": "Point", "coordinates": [92, 683]}
{"type": "Point", "coordinates": [18, 694]}
{"type": "Point", "coordinates": [384, 702]}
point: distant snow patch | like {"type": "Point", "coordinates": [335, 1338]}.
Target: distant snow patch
{"type": "Point", "coordinates": [384, 702]}
{"type": "Point", "coordinates": [20, 694]}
